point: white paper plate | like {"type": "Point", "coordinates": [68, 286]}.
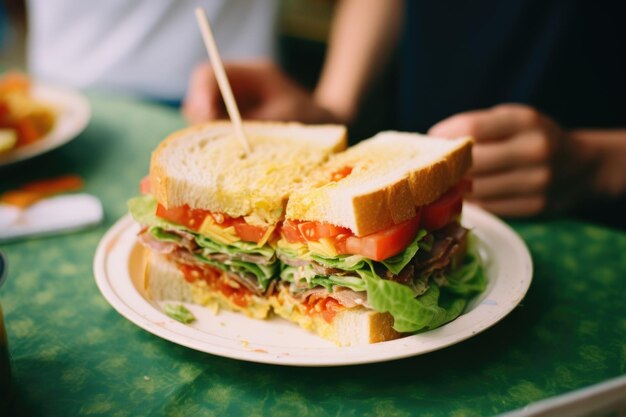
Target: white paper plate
{"type": "Point", "coordinates": [73, 113]}
{"type": "Point", "coordinates": [118, 268]}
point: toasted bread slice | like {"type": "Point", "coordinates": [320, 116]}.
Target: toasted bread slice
{"type": "Point", "coordinates": [205, 167]}
{"type": "Point", "coordinates": [389, 177]}
{"type": "Point", "coordinates": [164, 281]}
{"type": "Point", "coordinates": [348, 327]}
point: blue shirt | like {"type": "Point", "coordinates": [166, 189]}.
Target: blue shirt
{"type": "Point", "coordinates": [565, 57]}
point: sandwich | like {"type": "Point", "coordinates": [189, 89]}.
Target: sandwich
{"type": "Point", "coordinates": [372, 246]}
{"type": "Point", "coordinates": [360, 246]}
{"type": "Point", "coordinates": [211, 213]}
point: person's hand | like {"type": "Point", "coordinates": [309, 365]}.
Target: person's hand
{"type": "Point", "coordinates": [523, 163]}
{"type": "Point", "coordinates": [262, 92]}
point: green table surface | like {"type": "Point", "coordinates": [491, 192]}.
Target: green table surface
{"type": "Point", "coordinates": [73, 355]}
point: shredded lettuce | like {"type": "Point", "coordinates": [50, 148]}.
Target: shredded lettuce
{"type": "Point", "coordinates": [469, 278]}
{"type": "Point", "coordinates": [417, 307]}
{"type": "Point", "coordinates": [179, 313]}
{"type": "Point", "coordinates": [397, 263]}
{"type": "Point", "coordinates": [354, 283]}
{"type": "Point", "coordinates": [434, 308]}
{"type": "Point", "coordinates": [163, 235]}
{"type": "Point", "coordinates": [410, 313]}
{"type": "Point", "coordinates": [345, 262]}
{"type": "Point", "coordinates": [235, 248]}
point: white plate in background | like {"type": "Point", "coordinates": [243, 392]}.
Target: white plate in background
{"type": "Point", "coordinates": [72, 115]}
{"type": "Point", "coordinates": [118, 269]}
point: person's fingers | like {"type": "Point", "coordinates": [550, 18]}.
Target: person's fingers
{"type": "Point", "coordinates": [520, 182]}
{"type": "Point", "coordinates": [523, 206]}
{"type": "Point", "coordinates": [488, 125]}
{"type": "Point", "coordinates": [528, 148]}
{"type": "Point", "coordinates": [201, 101]}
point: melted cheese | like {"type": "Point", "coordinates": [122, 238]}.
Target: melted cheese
{"type": "Point", "coordinates": [323, 247]}
{"type": "Point", "coordinates": [224, 235]}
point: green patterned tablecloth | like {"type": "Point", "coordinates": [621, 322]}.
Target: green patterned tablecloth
{"type": "Point", "coordinates": [73, 355]}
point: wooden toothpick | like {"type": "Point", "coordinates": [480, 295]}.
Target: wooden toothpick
{"type": "Point", "coordinates": [222, 80]}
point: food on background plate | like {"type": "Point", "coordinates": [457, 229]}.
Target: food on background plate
{"type": "Point", "coordinates": [34, 191]}
{"type": "Point", "coordinates": [359, 246]}
{"type": "Point", "coordinates": [23, 119]}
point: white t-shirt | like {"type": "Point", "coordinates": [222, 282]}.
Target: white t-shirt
{"type": "Point", "coordinates": [145, 48]}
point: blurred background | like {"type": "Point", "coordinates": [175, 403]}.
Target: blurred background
{"type": "Point", "coordinates": [12, 34]}
{"type": "Point", "coordinates": [303, 28]}
{"type": "Point", "coordinates": [563, 61]}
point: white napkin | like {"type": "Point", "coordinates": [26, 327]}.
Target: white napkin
{"type": "Point", "coordinates": [60, 214]}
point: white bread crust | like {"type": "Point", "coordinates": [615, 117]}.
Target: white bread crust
{"type": "Point", "coordinates": [394, 173]}
{"type": "Point", "coordinates": [349, 327]}
{"type": "Point", "coordinates": [204, 166]}
{"type": "Point", "coordinates": [164, 281]}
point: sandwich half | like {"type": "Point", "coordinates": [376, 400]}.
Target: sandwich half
{"type": "Point", "coordinates": [211, 211]}
{"type": "Point", "coordinates": [372, 246]}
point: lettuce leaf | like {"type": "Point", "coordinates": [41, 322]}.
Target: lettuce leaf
{"type": "Point", "coordinates": [179, 313]}
{"type": "Point", "coordinates": [397, 263]}
{"type": "Point", "coordinates": [422, 306]}
{"type": "Point", "coordinates": [164, 235]}
{"type": "Point", "coordinates": [143, 210]}
{"type": "Point", "coordinates": [469, 278]}
{"type": "Point", "coordinates": [345, 262]}
{"type": "Point", "coordinates": [308, 275]}
{"type": "Point", "coordinates": [410, 313]}
{"type": "Point", "coordinates": [438, 305]}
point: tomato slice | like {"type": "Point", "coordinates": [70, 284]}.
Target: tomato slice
{"type": "Point", "coordinates": [302, 232]}
{"type": "Point", "coordinates": [447, 208]}
{"type": "Point", "coordinates": [316, 230]}
{"type": "Point", "coordinates": [144, 185]}
{"type": "Point", "coordinates": [215, 279]}
{"type": "Point", "coordinates": [289, 230]}
{"type": "Point", "coordinates": [188, 217]}
{"type": "Point", "coordinates": [249, 232]}
{"type": "Point", "coordinates": [193, 219]}
{"type": "Point", "coordinates": [330, 230]}
{"type": "Point", "coordinates": [341, 173]}
{"type": "Point", "coordinates": [384, 244]}
{"type": "Point", "coordinates": [326, 307]}
{"type": "Point", "coordinates": [308, 231]}
{"type": "Point", "coordinates": [377, 246]}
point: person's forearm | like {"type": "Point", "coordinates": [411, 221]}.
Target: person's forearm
{"type": "Point", "coordinates": [363, 36]}
{"type": "Point", "coordinates": [607, 149]}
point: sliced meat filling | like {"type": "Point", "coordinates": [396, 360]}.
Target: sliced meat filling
{"type": "Point", "coordinates": [345, 296]}
{"type": "Point", "coordinates": [186, 250]}
{"type": "Point", "coordinates": [449, 249]}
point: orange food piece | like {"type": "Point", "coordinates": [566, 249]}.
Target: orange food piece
{"type": "Point", "coordinates": [21, 112]}
{"type": "Point", "coordinates": [63, 184]}
{"type": "Point", "coordinates": [20, 198]}
{"type": "Point", "coordinates": [217, 280]}
{"type": "Point", "coordinates": [341, 173]}
{"type": "Point", "coordinates": [34, 191]}
{"type": "Point", "coordinates": [27, 132]}
{"type": "Point", "coordinates": [14, 81]}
